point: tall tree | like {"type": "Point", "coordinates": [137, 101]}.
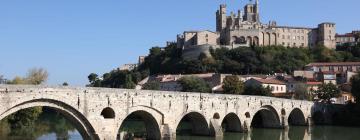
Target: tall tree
{"type": "Point", "coordinates": [327, 91]}
{"type": "Point", "coordinates": [153, 85]}
{"type": "Point", "coordinates": [233, 85]}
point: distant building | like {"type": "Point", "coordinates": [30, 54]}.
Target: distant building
{"type": "Point", "coordinates": [244, 28]}
{"type": "Point", "coordinates": [335, 72]}
{"type": "Point", "coordinates": [337, 67]}
{"type": "Point", "coordinates": [141, 59]}
{"type": "Point", "coordinates": [277, 87]}
{"type": "Point", "coordinates": [128, 67]}
{"type": "Point", "coordinates": [347, 38]}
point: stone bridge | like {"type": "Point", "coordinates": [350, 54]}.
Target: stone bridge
{"type": "Point", "coordinates": [98, 113]}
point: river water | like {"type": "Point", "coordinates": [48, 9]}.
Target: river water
{"type": "Point", "coordinates": [52, 127]}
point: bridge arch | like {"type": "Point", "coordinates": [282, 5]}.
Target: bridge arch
{"type": "Point", "coordinates": [231, 123]}
{"type": "Point", "coordinates": [266, 117]}
{"type": "Point", "coordinates": [194, 123]}
{"type": "Point", "coordinates": [296, 117]}
{"type": "Point", "coordinates": [151, 118]}
{"type": "Point", "coordinates": [75, 117]}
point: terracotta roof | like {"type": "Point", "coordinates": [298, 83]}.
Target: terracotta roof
{"type": "Point", "coordinates": [269, 81]}
{"type": "Point", "coordinates": [313, 83]}
{"type": "Point", "coordinates": [345, 35]}
{"type": "Point", "coordinates": [334, 64]}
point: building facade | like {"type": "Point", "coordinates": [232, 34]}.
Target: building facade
{"type": "Point", "coordinates": [348, 38]}
{"type": "Point", "coordinates": [246, 29]}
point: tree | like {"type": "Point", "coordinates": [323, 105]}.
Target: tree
{"type": "Point", "coordinates": [94, 80]}
{"type": "Point", "coordinates": [194, 84]}
{"type": "Point", "coordinates": [65, 84]}
{"type": "Point", "coordinates": [129, 84]}
{"type": "Point", "coordinates": [257, 91]}
{"type": "Point", "coordinates": [355, 87]}
{"type": "Point", "coordinates": [37, 76]}
{"type": "Point", "coordinates": [153, 85]}
{"type": "Point", "coordinates": [92, 77]}
{"type": "Point", "coordinates": [233, 85]}
{"type": "Point", "coordinates": [327, 91]}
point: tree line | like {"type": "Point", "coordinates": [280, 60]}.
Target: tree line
{"type": "Point", "coordinates": [243, 60]}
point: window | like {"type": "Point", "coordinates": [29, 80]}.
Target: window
{"type": "Point", "coordinates": [277, 88]}
{"type": "Point", "coordinates": [298, 37]}
{"type": "Point", "coordinates": [302, 38]}
{"type": "Point", "coordinates": [294, 44]}
{"type": "Point", "coordinates": [283, 43]}
{"type": "Point", "coordinates": [288, 37]}
{"type": "Point", "coordinates": [283, 36]}
{"type": "Point", "coordinates": [281, 88]}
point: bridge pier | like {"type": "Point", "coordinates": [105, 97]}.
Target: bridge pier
{"type": "Point", "coordinates": [215, 128]}
{"type": "Point", "coordinates": [245, 127]}
{"type": "Point", "coordinates": [284, 123]}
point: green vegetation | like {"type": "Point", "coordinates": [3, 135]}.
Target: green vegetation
{"type": "Point", "coordinates": [194, 84]}
{"type": "Point", "coordinates": [244, 60]}
{"type": "Point", "coordinates": [233, 85]}
{"type": "Point", "coordinates": [117, 79]}
{"type": "Point", "coordinates": [327, 91]}
{"type": "Point", "coordinates": [65, 84]}
{"type": "Point", "coordinates": [153, 85]}
{"type": "Point", "coordinates": [257, 91]}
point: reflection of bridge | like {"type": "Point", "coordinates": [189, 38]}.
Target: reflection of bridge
{"type": "Point", "coordinates": [98, 113]}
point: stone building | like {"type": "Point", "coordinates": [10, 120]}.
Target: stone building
{"type": "Point", "coordinates": [246, 29]}
{"type": "Point", "coordinates": [348, 38]}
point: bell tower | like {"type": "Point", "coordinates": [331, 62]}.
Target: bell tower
{"type": "Point", "coordinates": [221, 18]}
{"type": "Point", "coordinates": [252, 12]}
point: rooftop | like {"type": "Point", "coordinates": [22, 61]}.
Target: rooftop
{"type": "Point", "coordinates": [269, 81]}
{"type": "Point", "coordinates": [334, 64]}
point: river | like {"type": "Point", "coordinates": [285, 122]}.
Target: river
{"type": "Point", "coordinates": [51, 127]}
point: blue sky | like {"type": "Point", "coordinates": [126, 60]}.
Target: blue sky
{"type": "Point", "coordinates": [72, 38]}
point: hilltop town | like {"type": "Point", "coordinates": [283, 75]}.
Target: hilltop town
{"type": "Point", "coordinates": [287, 61]}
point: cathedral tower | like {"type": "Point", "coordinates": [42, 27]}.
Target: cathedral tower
{"type": "Point", "coordinates": [221, 18]}
{"type": "Point", "coordinates": [252, 12]}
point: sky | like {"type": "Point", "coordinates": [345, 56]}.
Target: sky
{"type": "Point", "coordinates": [73, 38]}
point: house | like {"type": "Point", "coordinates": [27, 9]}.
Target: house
{"type": "Point", "coordinates": [277, 87]}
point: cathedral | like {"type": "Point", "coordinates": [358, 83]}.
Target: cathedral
{"type": "Point", "coordinates": [244, 28]}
